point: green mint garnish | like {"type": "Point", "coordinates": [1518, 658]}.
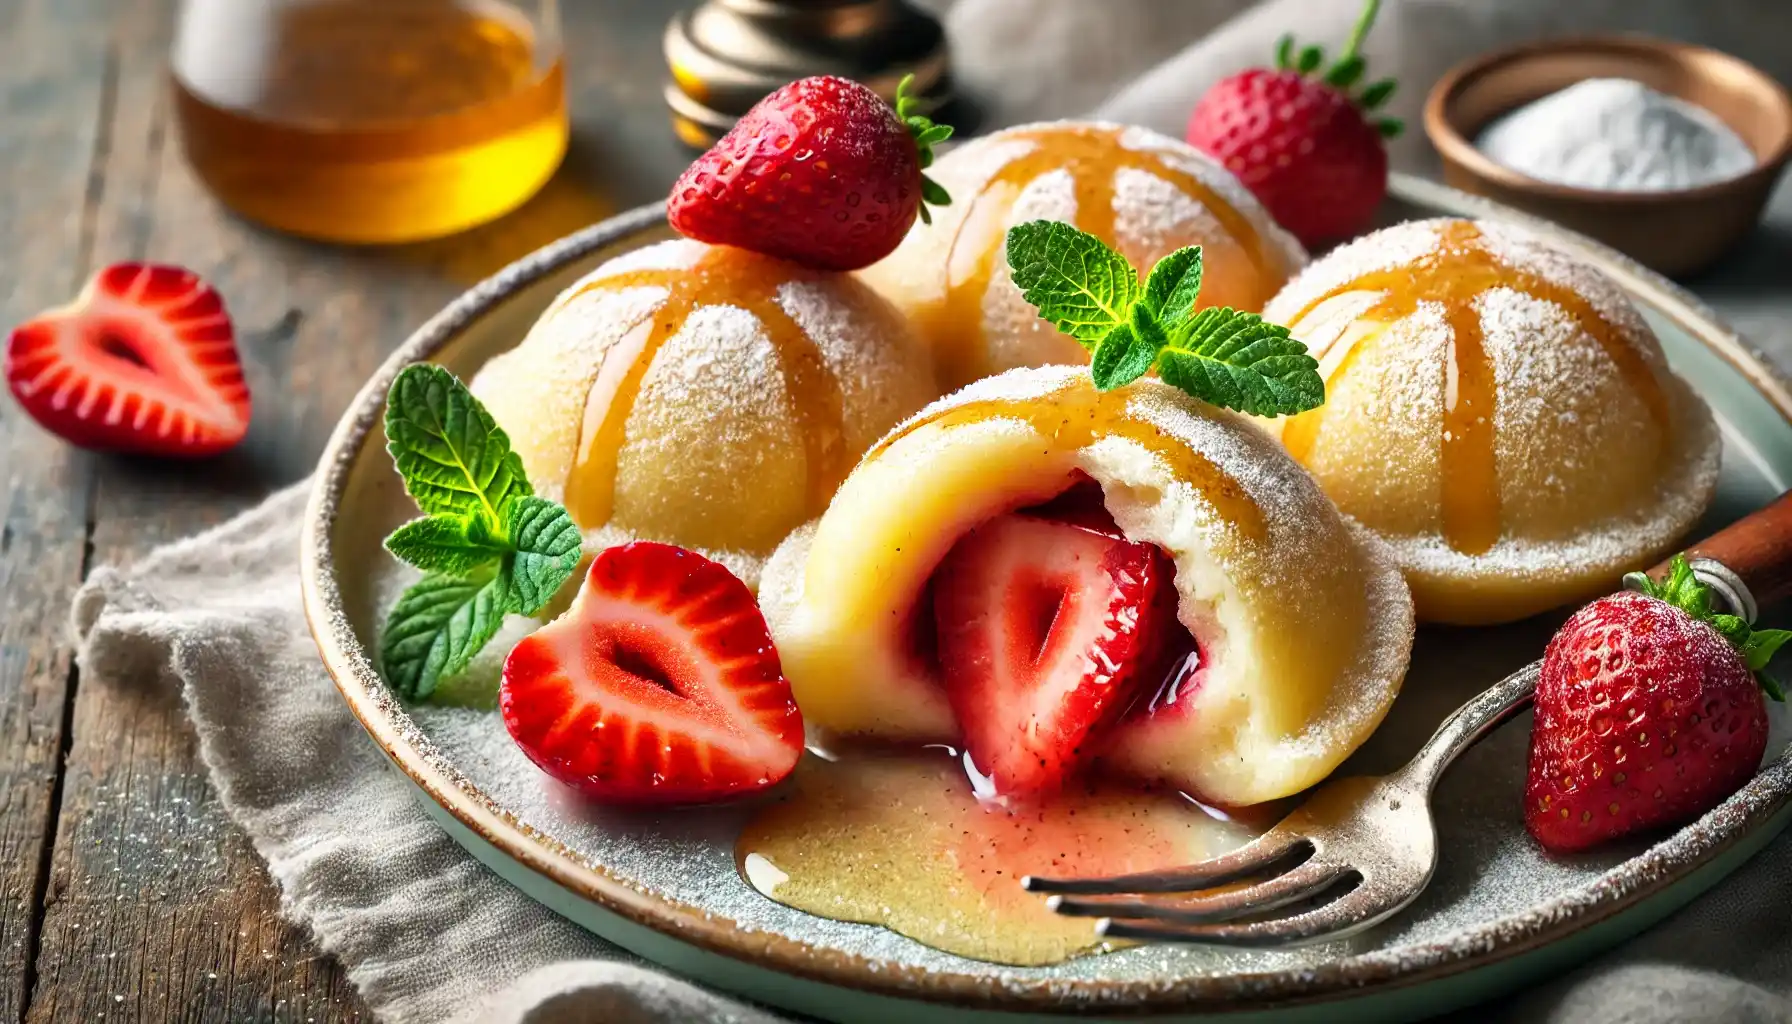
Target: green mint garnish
{"type": "Point", "coordinates": [487, 547]}
{"type": "Point", "coordinates": [927, 135]}
{"type": "Point", "coordinates": [1683, 590]}
{"type": "Point", "coordinates": [1347, 70]}
{"type": "Point", "coordinates": [451, 453]}
{"type": "Point", "coordinates": [1221, 356]}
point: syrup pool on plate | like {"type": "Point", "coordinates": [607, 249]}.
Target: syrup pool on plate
{"type": "Point", "coordinates": [902, 841]}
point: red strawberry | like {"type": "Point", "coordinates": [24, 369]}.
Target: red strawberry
{"type": "Point", "coordinates": [144, 361]}
{"type": "Point", "coordinates": [822, 172]}
{"type": "Point", "coordinates": [1647, 715]}
{"type": "Point", "coordinates": [1045, 628]}
{"type": "Point", "coordinates": [660, 685]}
{"type": "Point", "coordinates": [1306, 147]}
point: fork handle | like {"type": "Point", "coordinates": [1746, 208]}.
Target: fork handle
{"type": "Point", "coordinates": [1756, 550]}
{"type": "Point", "coordinates": [1484, 712]}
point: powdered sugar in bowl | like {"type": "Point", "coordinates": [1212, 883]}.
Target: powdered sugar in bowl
{"type": "Point", "coordinates": [1675, 212]}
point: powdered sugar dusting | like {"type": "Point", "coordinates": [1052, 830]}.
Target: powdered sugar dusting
{"type": "Point", "coordinates": [713, 455]}
{"type": "Point", "coordinates": [1247, 589]}
{"type": "Point", "coordinates": [1590, 479]}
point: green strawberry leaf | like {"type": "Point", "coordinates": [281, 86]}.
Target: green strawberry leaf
{"type": "Point", "coordinates": [1682, 588]}
{"type": "Point", "coordinates": [1344, 74]}
{"type": "Point", "coordinates": [1074, 279]}
{"type": "Point", "coordinates": [1762, 645]}
{"type": "Point", "coordinates": [1377, 93]}
{"type": "Point", "coordinates": [1733, 627]}
{"type": "Point", "coordinates": [1175, 284]}
{"type": "Point", "coordinates": [927, 135]}
{"type": "Point", "coordinates": [547, 551]}
{"type": "Point", "coordinates": [1310, 58]}
{"type": "Point", "coordinates": [454, 457]}
{"type": "Point", "coordinates": [448, 544]}
{"type": "Point", "coordinates": [1241, 361]}
{"type": "Point", "coordinates": [1121, 358]}
{"type": "Point", "coordinates": [438, 625]}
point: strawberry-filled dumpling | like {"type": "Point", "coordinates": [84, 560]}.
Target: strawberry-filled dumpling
{"type": "Point", "coordinates": [1498, 412]}
{"type": "Point", "coordinates": [1064, 579]}
{"type": "Point", "coordinates": [1141, 193]}
{"type": "Point", "coordinates": [704, 396]}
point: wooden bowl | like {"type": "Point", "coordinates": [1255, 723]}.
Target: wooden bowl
{"type": "Point", "coordinates": [1674, 232]}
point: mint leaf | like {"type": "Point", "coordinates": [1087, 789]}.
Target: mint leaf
{"type": "Point", "coordinates": [1075, 281]}
{"type": "Point", "coordinates": [1121, 358]}
{"type": "Point", "coordinates": [437, 626]}
{"type": "Point", "coordinates": [1175, 284]}
{"type": "Point", "coordinates": [448, 544]}
{"type": "Point", "coordinates": [1241, 361]}
{"type": "Point", "coordinates": [547, 551]}
{"type": "Point", "coordinates": [453, 456]}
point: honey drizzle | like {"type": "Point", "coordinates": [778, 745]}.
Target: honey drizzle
{"type": "Point", "coordinates": [1093, 157]}
{"type": "Point", "coordinates": [1078, 416]}
{"type": "Point", "coordinates": [722, 277]}
{"type": "Point", "coordinates": [1454, 275]}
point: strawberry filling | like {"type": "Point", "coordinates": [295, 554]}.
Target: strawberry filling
{"type": "Point", "coordinates": [1048, 626]}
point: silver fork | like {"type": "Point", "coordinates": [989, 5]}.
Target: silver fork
{"type": "Point", "coordinates": [1356, 851]}
{"type": "Point", "coordinates": [1359, 849]}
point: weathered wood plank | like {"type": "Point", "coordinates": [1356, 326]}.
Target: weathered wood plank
{"type": "Point", "coordinates": [158, 909]}
{"type": "Point", "coordinates": [55, 95]}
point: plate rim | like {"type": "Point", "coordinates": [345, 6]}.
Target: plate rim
{"type": "Point", "coordinates": [1613, 892]}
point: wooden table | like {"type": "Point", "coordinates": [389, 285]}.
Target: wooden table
{"type": "Point", "coordinates": [125, 894]}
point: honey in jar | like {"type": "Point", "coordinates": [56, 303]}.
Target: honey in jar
{"type": "Point", "coordinates": [370, 121]}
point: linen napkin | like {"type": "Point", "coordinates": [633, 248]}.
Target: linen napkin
{"type": "Point", "coordinates": [427, 934]}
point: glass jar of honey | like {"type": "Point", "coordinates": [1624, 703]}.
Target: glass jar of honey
{"type": "Point", "coordinates": [371, 121]}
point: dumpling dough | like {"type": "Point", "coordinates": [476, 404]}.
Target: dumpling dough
{"type": "Point", "coordinates": [1499, 413]}
{"type": "Point", "coordinates": [1303, 623]}
{"type": "Point", "coordinates": [1145, 194]}
{"type": "Point", "coordinates": [704, 396]}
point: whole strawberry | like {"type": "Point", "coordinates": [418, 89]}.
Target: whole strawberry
{"type": "Point", "coordinates": [1302, 142]}
{"type": "Point", "coordinates": [1649, 713]}
{"type": "Point", "coordinates": [822, 172]}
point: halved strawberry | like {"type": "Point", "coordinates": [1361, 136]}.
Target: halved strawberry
{"type": "Point", "coordinates": [144, 361]}
{"type": "Point", "coordinates": [1045, 630]}
{"type": "Point", "coordinates": [660, 685]}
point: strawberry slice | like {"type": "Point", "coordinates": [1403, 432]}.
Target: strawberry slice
{"type": "Point", "coordinates": [1046, 628]}
{"type": "Point", "coordinates": [660, 685]}
{"type": "Point", "coordinates": [143, 361]}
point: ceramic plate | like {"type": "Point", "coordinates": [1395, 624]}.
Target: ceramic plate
{"type": "Point", "coordinates": [664, 885]}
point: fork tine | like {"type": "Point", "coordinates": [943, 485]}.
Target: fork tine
{"type": "Point", "coordinates": [1350, 913]}
{"type": "Point", "coordinates": [1252, 858]}
{"type": "Point", "coordinates": [1308, 879]}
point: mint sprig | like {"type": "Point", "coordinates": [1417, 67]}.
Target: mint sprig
{"type": "Point", "coordinates": [927, 135]}
{"type": "Point", "coordinates": [488, 546]}
{"type": "Point", "coordinates": [1222, 356]}
{"type": "Point", "coordinates": [1683, 590]}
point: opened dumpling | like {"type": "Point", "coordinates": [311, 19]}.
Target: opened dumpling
{"type": "Point", "coordinates": [1300, 620]}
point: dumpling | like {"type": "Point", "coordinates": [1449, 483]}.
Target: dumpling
{"type": "Point", "coordinates": [704, 396]}
{"type": "Point", "coordinates": [1498, 412]}
{"type": "Point", "coordinates": [1300, 622]}
{"type": "Point", "coordinates": [1145, 194]}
